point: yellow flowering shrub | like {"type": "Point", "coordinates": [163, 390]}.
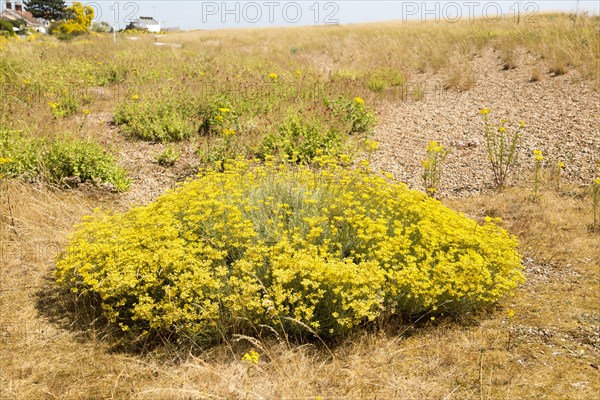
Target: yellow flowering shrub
{"type": "Point", "coordinates": [296, 248]}
{"type": "Point", "coordinates": [79, 21]}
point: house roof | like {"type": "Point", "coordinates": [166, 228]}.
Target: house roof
{"type": "Point", "coordinates": [26, 16]}
{"type": "Point", "coordinates": [143, 22]}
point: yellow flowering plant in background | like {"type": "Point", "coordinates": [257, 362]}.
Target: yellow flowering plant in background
{"type": "Point", "coordinates": [292, 247]}
{"type": "Point", "coordinates": [501, 146]}
{"type": "Point", "coordinates": [433, 167]}
{"type": "Point", "coordinates": [537, 179]}
{"type": "Point", "coordinates": [252, 357]}
{"type": "Point", "coordinates": [596, 203]}
{"type": "Point", "coordinates": [4, 160]}
{"type": "Point", "coordinates": [560, 166]}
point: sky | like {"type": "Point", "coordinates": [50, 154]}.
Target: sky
{"type": "Point", "coordinates": [219, 14]}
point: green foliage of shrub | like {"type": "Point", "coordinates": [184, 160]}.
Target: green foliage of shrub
{"type": "Point", "coordinates": [23, 152]}
{"type": "Point", "coordinates": [383, 78]}
{"type": "Point", "coordinates": [217, 116]}
{"type": "Point", "coordinates": [300, 141]}
{"type": "Point", "coordinates": [354, 112]}
{"type": "Point", "coordinates": [292, 248]}
{"type": "Point", "coordinates": [106, 74]}
{"type": "Point", "coordinates": [66, 104]}
{"type": "Point", "coordinates": [162, 120]}
{"type": "Point", "coordinates": [168, 157]}
{"type": "Point", "coordinates": [66, 159]}
{"type": "Point", "coordinates": [65, 162]}
{"type": "Point", "coordinates": [6, 27]}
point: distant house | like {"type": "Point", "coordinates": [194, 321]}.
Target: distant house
{"type": "Point", "coordinates": [15, 12]}
{"type": "Point", "coordinates": [145, 24]}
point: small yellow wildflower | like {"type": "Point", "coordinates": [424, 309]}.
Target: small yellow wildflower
{"type": "Point", "coordinates": [510, 313]}
{"type": "Point", "coordinates": [273, 76]}
{"type": "Point", "coordinates": [298, 72]}
{"type": "Point", "coordinates": [485, 111]}
{"type": "Point", "coordinates": [435, 147]}
{"type": "Point", "coordinates": [345, 159]}
{"type": "Point", "coordinates": [358, 100]}
{"type": "Point", "coordinates": [252, 357]}
{"type": "Point", "coordinates": [219, 117]}
{"type": "Point", "coordinates": [538, 155]}
{"type": "Point", "coordinates": [228, 132]}
{"type": "Point", "coordinates": [597, 181]}
{"type": "Point", "coordinates": [26, 82]}
{"type": "Point", "coordinates": [224, 110]}
{"type": "Point", "coordinates": [4, 160]}
{"type": "Point", "coordinates": [53, 104]}
{"type": "Point", "coordinates": [135, 97]}
{"type": "Point", "coordinates": [502, 129]}
{"type": "Point", "coordinates": [86, 111]}
{"type": "Point", "coordinates": [522, 124]}
{"type": "Point", "coordinates": [372, 145]}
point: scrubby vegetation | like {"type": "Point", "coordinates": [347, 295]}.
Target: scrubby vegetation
{"type": "Point", "coordinates": [291, 249]}
{"type": "Point", "coordinates": [61, 161]}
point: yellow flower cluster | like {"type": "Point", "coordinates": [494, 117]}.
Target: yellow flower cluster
{"type": "Point", "coordinates": [4, 160]}
{"type": "Point", "coordinates": [252, 357]}
{"type": "Point", "coordinates": [371, 145]}
{"type": "Point", "coordinates": [538, 155]}
{"type": "Point", "coordinates": [292, 247]}
{"type": "Point", "coordinates": [433, 166]}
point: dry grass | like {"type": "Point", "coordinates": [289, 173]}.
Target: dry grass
{"type": "Point", "coordinates": [51, 348]}
{"type": "Point", "coordinates": [549, 349]}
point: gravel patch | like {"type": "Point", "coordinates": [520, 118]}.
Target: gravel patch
{"type": "Point", "coordinates": [561, 114]}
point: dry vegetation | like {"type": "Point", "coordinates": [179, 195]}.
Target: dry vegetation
{"type": "Point", "coordinates": [542, 343]}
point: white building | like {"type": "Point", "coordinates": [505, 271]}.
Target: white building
{"type": "Point", "coordinates": [15, 11]}
{"type": "Point", "coordinates": [145, 23]}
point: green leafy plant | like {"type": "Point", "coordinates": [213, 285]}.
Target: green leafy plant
{"type": "Point", "coordinates": [66, 104]}
{"type": "Point", "coordinates": [383, 78]}
{"type": "Point", "coordinates": [168, 157]}
{"type": "Point", "coordinates": [214, 152]}
{"type": "Point", "coordinates": [23, 152]}
{"type": "Point", "coordinates": [300, 141]}
{"type": "Point", "coordinates": [354, 112]}
{"type": "Point", "coordinates": [162, 120]}
{"type": "Point", "coordinates": [501, 146]}
{"type": "Point", "coordinates": [219, 117]}
{"type": "Point", "coordinates": [69, 161]}
{"type": "Point", "coordinates": [63, 161]}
